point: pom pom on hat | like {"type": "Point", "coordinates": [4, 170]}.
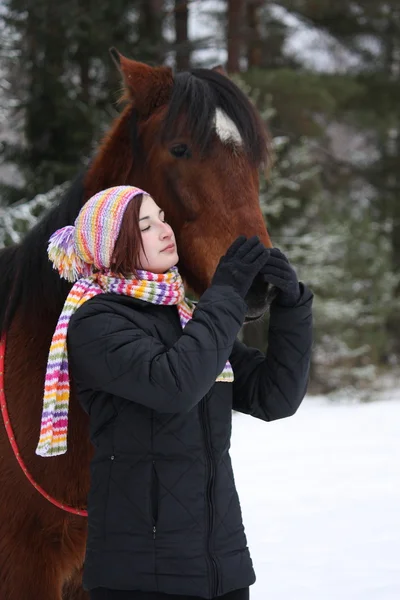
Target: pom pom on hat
{"type": "Point", "coordinates": [61, 252]}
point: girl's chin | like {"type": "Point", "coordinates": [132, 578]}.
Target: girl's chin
{"type": "Point", "coordinates": [170, 267]}
{"type": "Point", "coordinates": [174, 262]}
{"type": "Point", "coordinates": [164, 268]}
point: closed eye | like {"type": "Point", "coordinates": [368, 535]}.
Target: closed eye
{"type": "Point", "coordinates": [162, 218]}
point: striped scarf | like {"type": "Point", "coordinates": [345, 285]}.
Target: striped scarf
{"type": "Point", "coordinates": [164, 289]}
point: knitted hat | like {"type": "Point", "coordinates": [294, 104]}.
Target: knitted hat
{"type": "Point", "coordinates": [76, 250]}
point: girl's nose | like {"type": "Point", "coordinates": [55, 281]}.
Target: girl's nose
{"type": "Point", "coordinates": [166, 231]}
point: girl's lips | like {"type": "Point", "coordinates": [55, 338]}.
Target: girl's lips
{"type": "Point", "coordinates": [170, 247]}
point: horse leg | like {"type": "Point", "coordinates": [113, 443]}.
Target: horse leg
{"type": "Point", "coordinates": [73, 588]}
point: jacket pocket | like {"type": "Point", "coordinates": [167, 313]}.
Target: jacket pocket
{"type": "Point", "coordinates": [154, 495]}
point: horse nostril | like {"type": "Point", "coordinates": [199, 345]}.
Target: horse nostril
{"type": "Point", "coordinates": [253, 319]}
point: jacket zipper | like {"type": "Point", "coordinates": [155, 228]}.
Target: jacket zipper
{"type": "Point", "coordinates": [154, 485]}
{"type": "Point", "coordinates": [210, 483]}
{"type": "Point", "coordinates": [154, 498]}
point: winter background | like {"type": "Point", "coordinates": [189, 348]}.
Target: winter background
{"type": "Point", "coordinates": [320, 496]}
{"type": "Point", "coordinates": [320, 491]}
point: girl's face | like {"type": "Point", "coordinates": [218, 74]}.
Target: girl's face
{"type": "Point", "coordinates": [158, 239]}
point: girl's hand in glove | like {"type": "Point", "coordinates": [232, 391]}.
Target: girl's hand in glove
{"type": "Point", "coordinates": [241, 263]}
{"type": "Point", "coordinates": [279, 272]}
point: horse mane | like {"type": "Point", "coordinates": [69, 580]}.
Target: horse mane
{"type": "Point", "coordinates": [197, 94]}
{"type": "Point", "coordinates": [26, 275]}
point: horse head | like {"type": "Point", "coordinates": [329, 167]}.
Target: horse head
{"type": "Point", "coordinates": [196, 143]}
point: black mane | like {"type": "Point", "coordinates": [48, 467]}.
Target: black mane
{"type": "Point", "coordinates": [26, 274]}
{"type": "Point", "coordinates": [197, 94]}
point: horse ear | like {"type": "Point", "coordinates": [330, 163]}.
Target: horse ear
{"type": "Point", "coordinates": [146, 87]}
{"type": "Point", "coordinates": [115, 55]}
{"type": "Point", "coordinates": [221, 70]}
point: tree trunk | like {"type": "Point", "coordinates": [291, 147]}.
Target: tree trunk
{"type": "Point", "coordinates": [182, 56]}
{"type": "Point", "coordinates": [150, 31]}
{"type": "Point", "coordinates": [235, 16]}
{"type": "Point", "coordinates": [253, 33]}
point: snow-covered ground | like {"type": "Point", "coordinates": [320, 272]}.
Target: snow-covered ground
{"type": "Point", "coordinates": [320, 495]}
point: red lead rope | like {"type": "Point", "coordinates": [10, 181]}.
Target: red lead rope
{"type": "Point", "coordinates": [10, 433]}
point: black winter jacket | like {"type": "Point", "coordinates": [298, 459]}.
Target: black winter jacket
{"type": "Point", "coordinates": [164, 514]}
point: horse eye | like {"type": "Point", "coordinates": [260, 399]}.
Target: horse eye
{"type": "Point", "coordinates": [180, 151]}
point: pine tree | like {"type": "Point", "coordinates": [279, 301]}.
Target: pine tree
{"type": "Point", "coordinates": [65, 81]}
{"type": "Point", "coordinates": [235, 33]}
{"type": "Point", "coordinates": [149, 45]}
{"type": "Point", "coordinates": [316, 213]}
{"type": "Point", "coordinates": [182, 45]}
{"type": "Point", "coordinates": [16, 220]}
{"type": "Point", "coordinates": [371, 32]}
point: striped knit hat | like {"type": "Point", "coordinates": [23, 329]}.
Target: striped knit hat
{"type": "Point", "coordinates": [76, 250]}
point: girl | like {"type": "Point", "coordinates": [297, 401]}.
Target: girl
{"type": "Point", "coordinates": [159, 380]}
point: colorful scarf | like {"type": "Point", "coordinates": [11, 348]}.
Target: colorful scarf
{"type": "Point", "coordinates": [164, 289]}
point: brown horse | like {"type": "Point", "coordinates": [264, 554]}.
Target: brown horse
{"type": "Point", "coordinates": [195, 143]}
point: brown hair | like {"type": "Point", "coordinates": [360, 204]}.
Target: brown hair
{"type": "Point", "coordinates": [127, 248]}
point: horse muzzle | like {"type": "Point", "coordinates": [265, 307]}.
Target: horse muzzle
{"type": "Point", "coordinates": [259, 299]}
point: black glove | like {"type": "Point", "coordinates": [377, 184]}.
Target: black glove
{"type": "Point", "coordinates": [281, 274]}
{"type": "Point", "coordinates": [241, 263]}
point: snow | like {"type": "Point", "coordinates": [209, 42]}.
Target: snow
{"type": "Point", "coordinates": [16, 220]}
{"type": "Point", "coordinates": [320, 495]}
{"type": "Point", "coordinates": [315, 49]}
{"type": "Point", "coordinates": [201, 25]}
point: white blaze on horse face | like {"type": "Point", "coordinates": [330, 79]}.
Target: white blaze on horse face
{"type": "Point", "coordinates": [226, 128]}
